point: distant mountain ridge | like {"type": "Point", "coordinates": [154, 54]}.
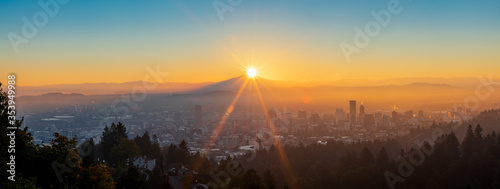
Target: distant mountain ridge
{"type": "Point", "coordinates": [233, 84]}
{"type": "Point", "coordinates": [107, 88]}
{"type": "Point", "coordinates": [278, 93]}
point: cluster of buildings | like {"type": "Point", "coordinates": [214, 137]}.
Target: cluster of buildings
{"type": "Point", "coordinates": [214, 132]}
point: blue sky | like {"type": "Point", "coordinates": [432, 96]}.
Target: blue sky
{"type": "Point", "coordinates": [180, 34]}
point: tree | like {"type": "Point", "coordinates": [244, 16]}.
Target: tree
{"type": "Point", "coordinates": [468, 143]}
{"type": "Point", "coordinates": [25, 150]}
{"type": "Point", "coordinates": [366, 157]}
{"type": "Point", "coordinates": [251, 180]}
{"type": "Point", "coordinates": [478, 136]}
{"type": "Point", "coordinates": [96, 176]}
{"type": "Point", "coordinates": [124, 150]}
{"type": "Point", "coordinates": [60, 166]}
{"type": "Point", "coordinates": [111, 137]}
{"type": "Point", "coordinates": [150, 147]}
{"type": "Point", "coordinates": [144, 144]}
{"type": "Point", "coordinates": [21, 183]}
{"type": "Point", "coordinates": [172, 154]}
{"type": "Point", "coordinates": [57, 165]}
{"type": "Point", "coordinates": [184, 153]}
{"type": "Point", "coordinates": [453, 145]}
{"type": "Point", "coordinates": [155, 148]}
{"type": "Point", "coordinates": [268, 180]}
{"type": "Point", "coordinates": [383, 159]}
{"type": "Point", "coordinates": [131, 179]}
{"type": "Point", "coordinates": [66, 156]}
{"type": "Point", "coordinates": [88, 148]}
{"type": "Point", "coordinates": [159, 178]}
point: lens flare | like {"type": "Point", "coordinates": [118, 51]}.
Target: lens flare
{"type": "Point", "coordinates": [252, 72]}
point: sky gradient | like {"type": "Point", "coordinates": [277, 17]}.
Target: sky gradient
{"type": "Point", "coordinates": [95, 41]}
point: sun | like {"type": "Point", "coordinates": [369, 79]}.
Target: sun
{"type": "Point", "coordinates": [252, 72]}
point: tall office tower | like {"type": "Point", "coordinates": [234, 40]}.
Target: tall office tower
{"type": "Point", "coordinates": [352, 111]}
{"type": "Point", "coordinates": [369, 120]}
{"type": "Point", "coordinates": [395, 116]}
{"type": "Point", "coordinates": [314, 119]}
{"type": "Point", "coordinates": [361, 112]}
{"type": "Point", "coordinates": [409, 114]}
{"type": "Point", "coordinates": [421, 113]}
{"type": "Point", "coordinates": [302, 114]}
{"type": "Point", "coordinates": [340, 116]}
{"type": "Point", "coordinates": [197, 116]}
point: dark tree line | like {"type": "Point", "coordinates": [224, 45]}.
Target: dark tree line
{"type": "Point", "coordinates": [59, 164]}
{"type": "Point", "coordinates": [149, 145]}
{"type": "Point", "coordinates": [445, 163]}
{"type": "Point", "coordinates": [119, 152]}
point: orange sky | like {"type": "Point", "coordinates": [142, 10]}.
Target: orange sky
{"type": "Point", "coordinates": [290, 43]}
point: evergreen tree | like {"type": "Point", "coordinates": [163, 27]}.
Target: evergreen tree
{"type": "Point", "coordinates": [172, 154]}
{"type": "Point", "coordinates": [110, 138]}
{"type": "Point", "coordinates": [184, 153]}
{"type": "Point", "coordinates": [131, 179]}
{"type": "Point", "coordinates": [478, 136]}
{"type": "Point", "coordinates": [383, 159]}
{"type": "Point", "coordinates": [366, 157]}
{"type": "Point", "coordinates": [88, 148]}
{"type": "Point", "coordinates": [251, 180]}
{"type": "Point", "coordinates": [125, 150]}
{"type": "Point", "coordinates": [268, 180]}
{"type": "Point", "coordinates": [159, 178]}
{"type": "Point", "coordinates": [468, 143]}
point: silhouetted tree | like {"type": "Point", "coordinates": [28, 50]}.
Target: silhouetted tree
{"type": "Point", "coordinates": [268, 180]}
{"type": "Point", "coordinates": [110, 138]}
{"type": "Point", "coordinates": [366, 157]}
{"type": "Point", "coordinates": [383, 158]}
{"type": "Point", "coordinates": [131, 179]}
{"type": "Point", "coordinates": [124, 150]}
{"type": "Point", "coordinates": [468, 143]}
{"type": "Point", "coordinates": [251, 180]}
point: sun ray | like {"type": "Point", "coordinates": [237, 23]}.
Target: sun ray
{"type": "Point", "coordinates": [284, 159]}
{"type": "Point", "coordinates": [266, 87]}
{"type": "Point", "coordinates": [219, 127]}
